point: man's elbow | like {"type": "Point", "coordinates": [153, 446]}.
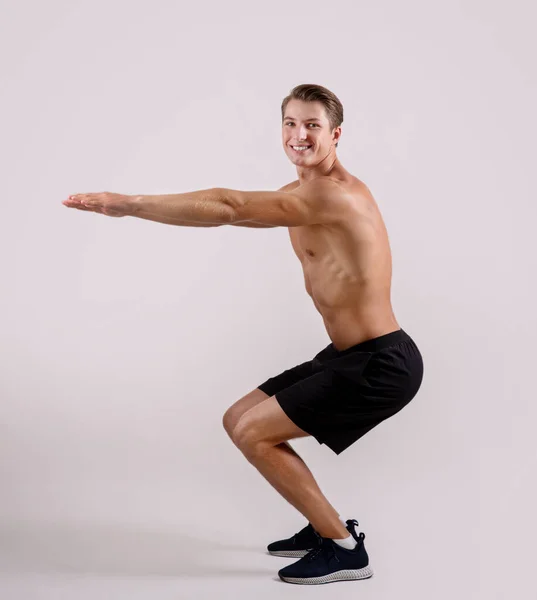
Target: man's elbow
{"type": "Point", "coordinates": [231, 204]}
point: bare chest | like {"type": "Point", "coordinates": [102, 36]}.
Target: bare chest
{"type": "Point", "coordinates": [310, 243]}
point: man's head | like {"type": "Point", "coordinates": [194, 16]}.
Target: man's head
{"type": "Point", "coordinates": [311, 116]}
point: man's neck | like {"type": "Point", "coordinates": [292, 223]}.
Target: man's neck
{"type": "Point", "coordinates": [328, 167]}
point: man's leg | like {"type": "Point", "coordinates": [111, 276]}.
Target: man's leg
{"type": "Point", "coordinates": [261, 434]}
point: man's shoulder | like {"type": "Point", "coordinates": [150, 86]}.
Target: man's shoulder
{"type": "Point", "coordinates": [335, 189]}
{"type": "Point", "coordinates": [347, 193]}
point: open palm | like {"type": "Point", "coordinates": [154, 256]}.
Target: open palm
{"type": "Point", "coordinates": [106, 203]}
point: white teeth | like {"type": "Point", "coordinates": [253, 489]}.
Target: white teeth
{"type": "Point", "coordinates": [300, 148]}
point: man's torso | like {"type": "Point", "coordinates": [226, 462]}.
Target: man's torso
{"type": "Point", "coordinates": [348, 268]}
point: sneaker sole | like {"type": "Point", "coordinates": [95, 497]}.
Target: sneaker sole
{"type": "Point", "coordinates": [348, 575]}
{"type": "Point", "coordinates": [289, 553]}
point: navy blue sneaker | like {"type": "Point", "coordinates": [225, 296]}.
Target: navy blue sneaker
{"type": "Point", "coordinates": [298, 545]}
{"type": "Point", "coordinates": [329, 562]}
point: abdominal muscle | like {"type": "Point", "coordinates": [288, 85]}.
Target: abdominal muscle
{"type": "Point", "coordinates": [355, 318]}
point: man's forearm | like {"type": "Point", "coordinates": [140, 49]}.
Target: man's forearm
{"type": "Point", "coordinates": [169, 221]}
{"type": "Point", "coordinates": [204, 208]}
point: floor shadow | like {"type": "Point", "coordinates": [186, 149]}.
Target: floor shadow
{"type": "Point", "coordinates": [85, 548]}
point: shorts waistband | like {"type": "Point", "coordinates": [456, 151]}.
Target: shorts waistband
{"type": "Point", "coordinates": [378, 343]}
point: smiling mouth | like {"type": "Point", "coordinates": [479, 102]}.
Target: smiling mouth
{"type": "Point", "coordinates": [301, 149]}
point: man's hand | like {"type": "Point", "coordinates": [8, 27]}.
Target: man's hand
{"type": "Point", "coordinates": [106, 203]}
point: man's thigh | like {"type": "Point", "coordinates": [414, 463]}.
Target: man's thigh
{"type": "Point", "coordinates": [257, 396]}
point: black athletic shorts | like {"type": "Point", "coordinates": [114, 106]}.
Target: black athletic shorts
{"type": "Point", "coordinates": [341, 395]}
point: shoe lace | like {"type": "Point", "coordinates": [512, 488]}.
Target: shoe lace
{"type": "Point", "coordinates": [324, 547]}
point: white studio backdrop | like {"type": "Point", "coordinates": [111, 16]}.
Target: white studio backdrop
{"type": "Point", "coordinates": [123, 341]}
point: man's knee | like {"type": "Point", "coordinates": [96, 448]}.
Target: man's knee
{"type": "Point", "coordinates": [229, 420]}
{"type": "Point", "coordinates": [248, 437]}
{"type": "Point", "coordinates": [234, 413]}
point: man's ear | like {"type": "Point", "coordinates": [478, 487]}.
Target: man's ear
{"type": "Point", "coordinates": [337, 135]}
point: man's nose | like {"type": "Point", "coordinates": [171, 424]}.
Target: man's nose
{"type": "Point", "coordinates": [302, 133]}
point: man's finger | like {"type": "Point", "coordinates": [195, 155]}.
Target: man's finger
{"type": "Point", "coordinates": [82, 207]}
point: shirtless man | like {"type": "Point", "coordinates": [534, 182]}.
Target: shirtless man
{"type": "Point", "coordinates": [371, 369]}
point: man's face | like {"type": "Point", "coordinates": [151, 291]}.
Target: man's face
{"type": "Point", "coordinates": [306, 124]}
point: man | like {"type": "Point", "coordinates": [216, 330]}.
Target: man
{"type": "Point", "coordinates": [372, 368]}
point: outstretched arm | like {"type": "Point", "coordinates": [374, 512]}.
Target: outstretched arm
{"type": "Point", "coordinates": [147, 207]}
{"type": "Point", "coordinates": [315, 203]}
{"type": "Point", "coordinates": [119, 205]}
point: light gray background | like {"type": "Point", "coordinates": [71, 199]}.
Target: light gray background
{"type": "Point", "coordinates": [123, 341]}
